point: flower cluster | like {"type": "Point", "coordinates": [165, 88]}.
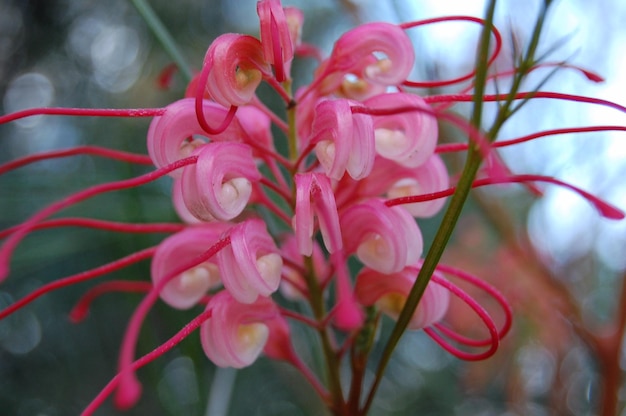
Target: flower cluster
{"type": "Point", "coordinates": [361, 164]}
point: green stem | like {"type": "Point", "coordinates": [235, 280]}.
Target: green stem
{"type": "Point", "coordinates": [164, 36]}
{"type": "Point", "coordinates": [316, 300]}
{"type": "Point", "coordinates": [292, 135]}
{"type": "Point", "coordinates": [451, 215]}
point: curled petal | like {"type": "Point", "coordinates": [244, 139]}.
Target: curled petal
{"type": "Point", "coordinates": [179, 204]}
{"type": "Point", "coordinates": [236, 333]}
{"type": "Point", "coordinates": [251, 266]}
{"type": "Point", "coordinates": [384, 240]}
{"type": "Point", "coordinates": [219, 185]}
{"type": "Point", "coordinates": [353, 51]}
{"type": "Point", "coordinates": [357, 86]}
{"type": "Point", "coordinates": [409, 138]}
{"type": "Point", "coordinates": [236, 66]}
{"type": "Point", "coordinates": [389, 293]}
{"type": "Point", "coordinates": [392, 180]}
{"type": "Point", "coordinates": [171, 135]}
{"type": "Point", "coordinates": [278, 47]}
{"type": "Point", "coordinates": [316, 188]}
{"type": "Point", "coordinates": [185, 290]}
{"type": "Point", "coordinates": [343, 141]}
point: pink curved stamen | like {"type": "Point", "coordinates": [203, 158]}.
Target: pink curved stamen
{"type": "Point", "coordinates": [77, 278]}
{"type": "Point", "coordinates": [13, 240]}
{"type": "Point", "coordinates": [81, 150]}
{"type": "Point", "coordinates": [605, 209]}
{"type": "Point", "coordinates": [480, 312]}
{"type": "Point", "coordinates": [130, 388]}
{"type": "Point", "coordinates": [146, 359]}
{"type": "Point", "coordinates": [89, 112]}
{"type": "Point", "coordinates": [81, 309]}
{"type": "Point", "coordinates": [470, 75]}
{"type": "Point", "coordinates": [459, 147]}
{"type": "Point", "coordinates": [101, 225]}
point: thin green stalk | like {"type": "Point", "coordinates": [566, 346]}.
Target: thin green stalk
{"type": "Point", "coordinates": [316, 300]}
{"type": "Point", "coordinates": [164, 37]}
{"type": "Point", "coordinates": [451, 215]}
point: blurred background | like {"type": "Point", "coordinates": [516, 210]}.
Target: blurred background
{"type": "Point", "coordinates": [559, 263]}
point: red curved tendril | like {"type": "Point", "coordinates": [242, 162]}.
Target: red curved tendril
{"type": "Point", "coordinates": [605, 209]}
{"type": "Point", "coordinates": [494, 340]}
{"type": "Point", "coordinates": [91, 112]}
{"type": "Point", "coordinates": [462, 98]}
{"type": "Point", "coordinates": [77, 278]}
{"type": "Point", "coordinates": [458, 147]}
{"type": "Point", "coordinates": [13, 240]}
{"type": "Point", "coordinates": [591, 76]}
{"type": "Point", "coordinates": [81, 309]}
{"type": "Point", "coordinates": [101, 225]}
{"type": "Point", "coordinates": [491, 291]}
{"type": "Point", "coordinates": [80, 150]}
{"type": "Point", "coordinates": [202, 80]}
{"type": "Point", "coordinates": [470, 75]}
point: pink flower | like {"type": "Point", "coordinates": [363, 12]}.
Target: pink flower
{"type": "Point", "coordinates": [251, 265]}
{"type": "Point", "coordinates": [174, 135]}
{"type": "Point", "coordinates": [278, 45]}
{"type": "Point", "coordinates": [314, 198]}
{"type": "Point", "coordinates": [391, 180]}
{"type": "Point", "coordinates": [185, 290]}
{"type": "Point", "coordinates": [236, 66]}
{"type": "Point", "coordinates": [353, 54]}
{"type": "Point", "coordinates": [389, 292]}
{"type": "Point", "coordinates": [236, 333]}
{"type": "Point", "coordinates": [383, 238]}
{"type": "Point", "coordinates": [219, 185]}
{"type": "Point", "coordinates": [343, 141]}
{"type": "Point", "coordinates": [408, 138]}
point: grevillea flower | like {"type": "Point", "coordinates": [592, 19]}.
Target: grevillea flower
{"type": "Point", "coordinates": [407, 138]}
{"type": "Point", "coordinates": [219, 184]}
{"type": "Point", "coordinates": [235, 65]}
{"type": "Point", "coordinates": [185, 290]}
{"type": "Point", "coordinates": [392, 180]}
{"type": "Point", "coordinates": [356, 164]}
{"type": "Point", "coordinates": [278, 46]}
{"type": "Point", "coordinates": [353, 54]}
{"type": "Point", "coordinates": [251, 265]}
{"type": "Point", "coordinates": [314, 198]}
{"type": "Point", "coordinates": [236, 333]}
{"type": "Point", "coordinates": [389, 292]}
{"type": "Point", "coordinates": [343, 141]}
{"type": "Point", "coordinates": [384, 239]}
{"type": "Point", "coordinates": [175, 134]}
